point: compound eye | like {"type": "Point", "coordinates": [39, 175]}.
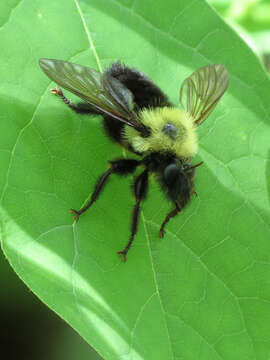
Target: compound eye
{"type": "Point", "coordinates": [170, 130]}
{"type": "Point", "coordinates": [171, 173]}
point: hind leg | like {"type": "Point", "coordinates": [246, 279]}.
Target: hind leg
{"type": "Point", "coordinates": [80, 108]}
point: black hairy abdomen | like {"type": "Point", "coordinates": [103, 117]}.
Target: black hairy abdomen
{"type": "Point", "coordinates": [146, 95]}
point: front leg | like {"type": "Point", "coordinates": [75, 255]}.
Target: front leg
{"type": "Point", "coordinates": [171, 214]}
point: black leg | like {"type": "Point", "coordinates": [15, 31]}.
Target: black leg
{"type": "Point", "coordinates": [171, 214]}
{"type": "Point", "coordinates": [140, 191]}
{"type": "Point", "coordinates": [196, 165]}
{"type": "Point", "coordinates": [99, 186]}
{"type": "Point", "coordinates": [121, 167]}
{"type": "Point", "coordinates": [134, 227]}
{"type": "Point", "coordinates": [80, 108]}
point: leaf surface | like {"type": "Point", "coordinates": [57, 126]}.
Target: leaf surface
{"type": "Point", "coordinates": [203, 291]}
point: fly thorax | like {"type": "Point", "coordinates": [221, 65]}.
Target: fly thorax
{"type": "Point", "coordinates": [170, 129]}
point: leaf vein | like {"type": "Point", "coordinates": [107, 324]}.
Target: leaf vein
{"type": "Point", "coordinates": [88, 34]}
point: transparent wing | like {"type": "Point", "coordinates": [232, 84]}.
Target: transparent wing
{"type": "Point", "coordinates": [201, 91]}
{"type": "Point", "coordinates": [102, 91]}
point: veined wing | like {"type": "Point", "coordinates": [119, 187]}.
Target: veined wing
{"type": "Point", "coordinates": [201, 91]}
{"type": "Point", "coordinates": [102, 91]}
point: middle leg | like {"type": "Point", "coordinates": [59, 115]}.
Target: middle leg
{"type": "Point", "coordinates": [120, 167]}
{"type": "Point", "coordinates": [140, 191]}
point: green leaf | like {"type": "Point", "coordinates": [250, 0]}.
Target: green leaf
{"type": "Point", "coordinates": [203, 291]}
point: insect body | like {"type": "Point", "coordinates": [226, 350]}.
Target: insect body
{"type": "Point", "coordinates": [139, 116]}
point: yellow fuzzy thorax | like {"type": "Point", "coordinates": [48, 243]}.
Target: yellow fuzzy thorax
{"type": "Point", "coordinates": [183, 145]}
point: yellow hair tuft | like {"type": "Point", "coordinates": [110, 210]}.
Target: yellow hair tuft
{"type": "Point", "coordinates": [183, 145]}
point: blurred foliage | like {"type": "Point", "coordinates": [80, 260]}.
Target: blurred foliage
{"type": "Point", "coordinates": [251, 18]}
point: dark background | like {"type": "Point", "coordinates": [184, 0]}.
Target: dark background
{"type": "Point", "coordinates": [29, 330]}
